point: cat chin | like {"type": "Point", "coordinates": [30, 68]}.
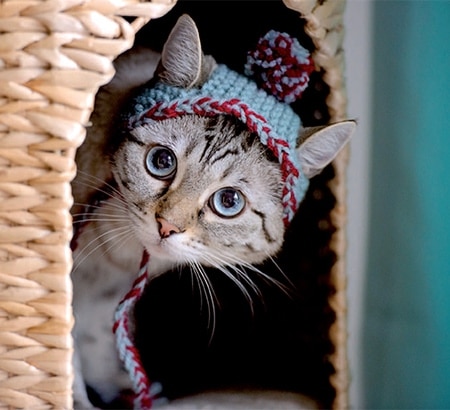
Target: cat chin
{"type": "Point", "coordinates": [165, 254]}
{"type": "Point", "coordinates": [157, 265]}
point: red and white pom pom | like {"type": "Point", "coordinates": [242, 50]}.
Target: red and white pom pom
{"type": "Point", "coordinates": [280, 66]}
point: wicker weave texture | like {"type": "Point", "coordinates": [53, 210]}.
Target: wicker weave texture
{"type": "Point", "coordinates": [54, 55]}
{"type": "Point", "coordinates": [324, 25]}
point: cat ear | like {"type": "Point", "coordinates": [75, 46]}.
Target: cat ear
{"type": "Point", "coordinates": [318, 146]}
{"type": "Point", "coordinates": [182, 61]}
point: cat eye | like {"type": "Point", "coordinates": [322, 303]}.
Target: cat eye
{"type": "Point", "coordinates": [227, 202]}
{"type": "Point", "coordinates": [161, 162]}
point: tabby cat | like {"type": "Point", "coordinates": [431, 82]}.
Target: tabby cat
{"type": "Point", "coordinates": [192, 190]}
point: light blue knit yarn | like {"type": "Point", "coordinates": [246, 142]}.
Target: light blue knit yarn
{"type": "Point", "coordinates": [227, 85]}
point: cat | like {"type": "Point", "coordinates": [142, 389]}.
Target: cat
{"type": "Point", "coordinates": [191, 190]}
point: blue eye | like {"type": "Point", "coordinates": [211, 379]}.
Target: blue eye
{"type": "Point", "coordinates": [161, 162]}
{"type": "Point", "coordinates": [227, 202]}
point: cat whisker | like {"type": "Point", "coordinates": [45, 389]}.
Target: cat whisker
{"type": "Point", "coordinates": [109, 220]}
{"type": "Point", "coordinates": [124, 236]}
{"type": "Point", "coordinates": [207, 291]}
{"type": "Point", "coordinates": [109, 209]}
{"type": "Point", "coordinates": [286, 289]}
{"type": "Point", "coordinates": [101, 214]}
{"type": "Point", "coordinates": [84, 253]}
{"type": "Point", "coordinates": [269, 279]}
{"type": "Point", "coordinates": [118, 232]}
{"type": "Point", "coordinates": [218, 263]}
{"type": "Point", "coordinates": [88, 178]}
{"type": "Point", "coordinates": [237, 266]}
{"type": "Point", "coordinates": [105, 188]}
{"type": "Point", "coordinates": [118, 206]}
{"type": "Point", "coordinates": [95, 216]}
{"type": "Point", "coordinates": [121, 207]}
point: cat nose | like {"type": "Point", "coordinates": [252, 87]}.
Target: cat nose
{"type": "Point", "coordinates": [166, 228]}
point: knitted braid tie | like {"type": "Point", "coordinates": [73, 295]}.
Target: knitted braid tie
{"type": "Point", "coordinates": [145, 391]}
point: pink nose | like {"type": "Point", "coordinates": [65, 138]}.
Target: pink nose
{"type": "Point", "coordinates": [166, 228]}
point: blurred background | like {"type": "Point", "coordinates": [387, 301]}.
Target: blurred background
{"type": "Point", "coordinates": [398, 250]}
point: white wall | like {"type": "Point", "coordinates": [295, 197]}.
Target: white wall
{"type": "Point", "coordinates": [357, 44]}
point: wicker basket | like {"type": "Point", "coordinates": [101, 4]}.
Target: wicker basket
{"type": "Point", "coordinates": [54, 56]}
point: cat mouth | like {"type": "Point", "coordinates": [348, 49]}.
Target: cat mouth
{"type": "Point", "coordinates": [165, 249]}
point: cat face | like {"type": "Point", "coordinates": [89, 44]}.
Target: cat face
{"type": "Point", "coordinates": [201, 190]}
{"type": "Point", "coordinates": [204, 189]}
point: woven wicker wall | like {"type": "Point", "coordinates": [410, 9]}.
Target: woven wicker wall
{"type": "Point", "coordinates": [54, 55]}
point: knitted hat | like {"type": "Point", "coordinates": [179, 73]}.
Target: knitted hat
{"type": "Point", "coordinates": [283, 67]}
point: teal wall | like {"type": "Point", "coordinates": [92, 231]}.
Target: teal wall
{"type": "Point", "coordinates": [406, 336]}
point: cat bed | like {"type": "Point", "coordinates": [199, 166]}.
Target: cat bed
{"type": "Point", "coordinates": [54, 57]}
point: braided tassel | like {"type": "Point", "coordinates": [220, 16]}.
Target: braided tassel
{"type": "Point", "coordinates": [144, 392]}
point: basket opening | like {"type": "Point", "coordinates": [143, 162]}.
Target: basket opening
{"type": "Point", "coordinates": [285, 344]}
